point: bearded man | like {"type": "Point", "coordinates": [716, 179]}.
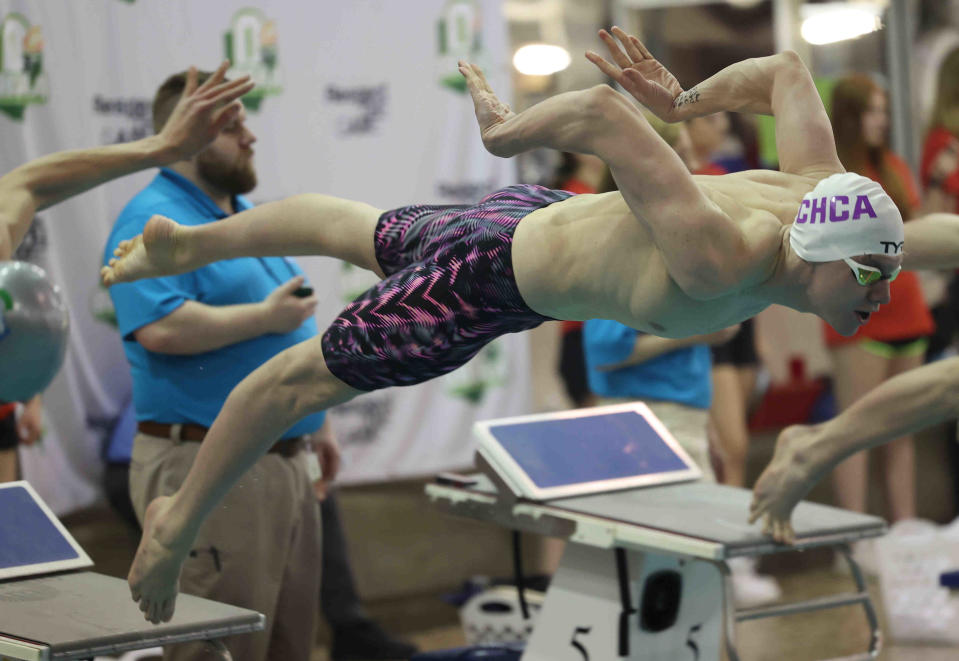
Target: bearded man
{"type": "Point", "coordinates": [190, 339]}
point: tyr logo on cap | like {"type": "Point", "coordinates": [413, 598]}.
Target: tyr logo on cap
{"type": "Point", "coordinates": [892, 247]}
{"type": "Point", "coordinates": [814, 210]}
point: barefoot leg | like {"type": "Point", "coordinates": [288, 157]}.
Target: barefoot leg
{"type": "Point", "coordinates": [788, 477]}
{"type": "Point", "coordinates": [154, 577]}
{"type": "Point", "coordinates": [293, 384]}
{"type": "Point", "coordinates": [309, 224]}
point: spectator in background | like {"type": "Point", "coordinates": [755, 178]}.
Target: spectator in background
{"type": "Point", "coordinates": [51, 179]}
{"type": "Point", "coordinates": [14, 430]}
{"type": "Point", "coordinates": [939, 174]}
{"type": "Point", "coordinates": [577, 173]}
{"type": "Point", "coordinates": [672, 376]}
{"type": "Point", "coordinates": [939, 168]}
{"type": "Point", "coordinates": [707, 135]}
{"type": "Point", "coordinates": [735, 363]}
{"type": "Point", "coordinates": [191, 338]}
{"type": "Point", "coordinates": [895, 338]}
{"type": "Point", "coordinates": [355, 634]}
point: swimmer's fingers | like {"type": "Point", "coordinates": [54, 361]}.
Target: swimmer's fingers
{"type": "Point", "coordinates": [615, 51]}
{"type": "Point", "coordinates": [610, 70]}
{"type": "Point", "coordinates": [638, 45]}
{"type": "Point", "coordinates": [634, 49]}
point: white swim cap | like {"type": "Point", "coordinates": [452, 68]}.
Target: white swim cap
{"type": "Point", "coordinates": [843, 216]}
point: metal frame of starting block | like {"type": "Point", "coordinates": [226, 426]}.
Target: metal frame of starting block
{"type": "Point", "coordinates": [615, 560]}
{"type": "Point", "coordinates": [644, 575]}
{"type": "Point", "coordinates": [81, 614]}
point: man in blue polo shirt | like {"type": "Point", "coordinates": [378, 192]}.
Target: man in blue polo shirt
{"type": "Point", "coordinates": [190, 339]}
{"type": "Point", "coordinates": [673, 377]}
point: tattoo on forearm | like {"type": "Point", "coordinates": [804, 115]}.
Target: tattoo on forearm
{"type": "Point", "coordinates": [689, 96]}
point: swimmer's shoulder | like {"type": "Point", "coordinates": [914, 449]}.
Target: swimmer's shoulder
{"type": "Point", "coordinates": [800, 184]}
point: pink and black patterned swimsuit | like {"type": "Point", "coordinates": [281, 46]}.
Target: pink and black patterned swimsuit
{"type": "Point", "coordinates": [449, 290]}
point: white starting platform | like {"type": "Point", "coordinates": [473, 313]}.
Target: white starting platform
{"type": "Point", "coordinates": [51, 611]}
{"type": "Point", "coordinates": [644, 575]}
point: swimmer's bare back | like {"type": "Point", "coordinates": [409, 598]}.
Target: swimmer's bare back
{"type": "Point", "coordinates": [589, 256]}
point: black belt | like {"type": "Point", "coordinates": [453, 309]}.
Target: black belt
{"type": "Point", "coordinates": [196, 433]}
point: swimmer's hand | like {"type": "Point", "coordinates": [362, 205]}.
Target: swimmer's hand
{"type": "Point", "coordinates": [492, 114]}
{"type": "Point", "coordinates": [640, 74]}
{"type": "Point", "coordinates": [202, 112]}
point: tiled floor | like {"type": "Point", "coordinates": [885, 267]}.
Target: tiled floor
{"type": "Point", "coordinates": [433, 625]}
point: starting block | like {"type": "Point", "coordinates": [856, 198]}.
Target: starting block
{"type": "Point", "coordinates": [644, 575]}
{"type": "Point", "coordinates": [50, 611]}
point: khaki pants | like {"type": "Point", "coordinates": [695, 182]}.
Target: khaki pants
{"type": "Point", "coordinates": [259, 549]}
{"type": "Point", "coordinates": [687, 424]}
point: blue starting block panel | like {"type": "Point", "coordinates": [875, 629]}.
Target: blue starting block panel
{"type": "Point", "coordinates": [585, 451]}
{"type": "Point", "coordinates": [32, 539]}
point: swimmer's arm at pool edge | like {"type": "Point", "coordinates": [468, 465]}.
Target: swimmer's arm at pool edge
{"type": "Point", "coordinates": [197, 119]}
{"type": "Point", "coordinates": [778, 85]}
{"type": "Point", "coordinates": [932, 242]}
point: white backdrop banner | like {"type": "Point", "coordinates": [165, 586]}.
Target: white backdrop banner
{"type": "Point", "coordinates": [360, 100]}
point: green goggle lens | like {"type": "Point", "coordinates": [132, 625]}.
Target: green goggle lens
{"type": "Point", "coordinates": [868, 277]}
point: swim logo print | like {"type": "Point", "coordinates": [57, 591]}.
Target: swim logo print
{"type": "Point", "coordinates": [840, 209]}
{"type": "Point", "coordinates": [814, 211]}
{"type": "Point", "coordinates": [22, 78]}
{"type": "Point", "coordinates": [251, 48]}
{"type": "Point", "coordinates": [459, 37]}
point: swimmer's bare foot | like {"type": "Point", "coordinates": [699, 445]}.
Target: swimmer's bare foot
{"type": "Point", "coordinates": [162, 249]}
{"type": "Point", "coordinates": [788, 477]}
{"type": "Point", "coordinates": [154, 577]}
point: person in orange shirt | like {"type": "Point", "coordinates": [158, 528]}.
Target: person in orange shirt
{"type": "Point", "coordinates": [895, 338]}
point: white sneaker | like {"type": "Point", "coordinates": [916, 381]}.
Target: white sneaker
{"type": "Point", "coordinates": [749, 588]}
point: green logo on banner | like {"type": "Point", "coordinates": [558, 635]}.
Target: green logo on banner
{"type": "Point", "coordinates": [459, 32]}
{"type": "Point", "coordinates": [22, 79]}
{"type": "Point", "coordinates": [251, 47]}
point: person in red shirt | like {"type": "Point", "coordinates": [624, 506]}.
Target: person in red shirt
{"type": "Point", "coordinates": [939, 174]}
{"type": "Point", "coordinates": [895, 338]}
{"type": "Point", "coordinates": [939, 167]}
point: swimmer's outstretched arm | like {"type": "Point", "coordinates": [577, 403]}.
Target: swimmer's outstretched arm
{"type": "Point", "coordinates": [778, 85]}
{"type": "Point", "coordinates": [572, 121]}
{"type": "Point", "coordinates": [200, 114]}
{"type": "Point", "coordinates": [704, 251]}
{"type": "Point", "coordinates": [931, 242]}
{"type": "Point", "coordinates": [913, 400]}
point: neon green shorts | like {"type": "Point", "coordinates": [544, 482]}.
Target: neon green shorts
{"type": "Point", "coordinates": [908, 348]}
